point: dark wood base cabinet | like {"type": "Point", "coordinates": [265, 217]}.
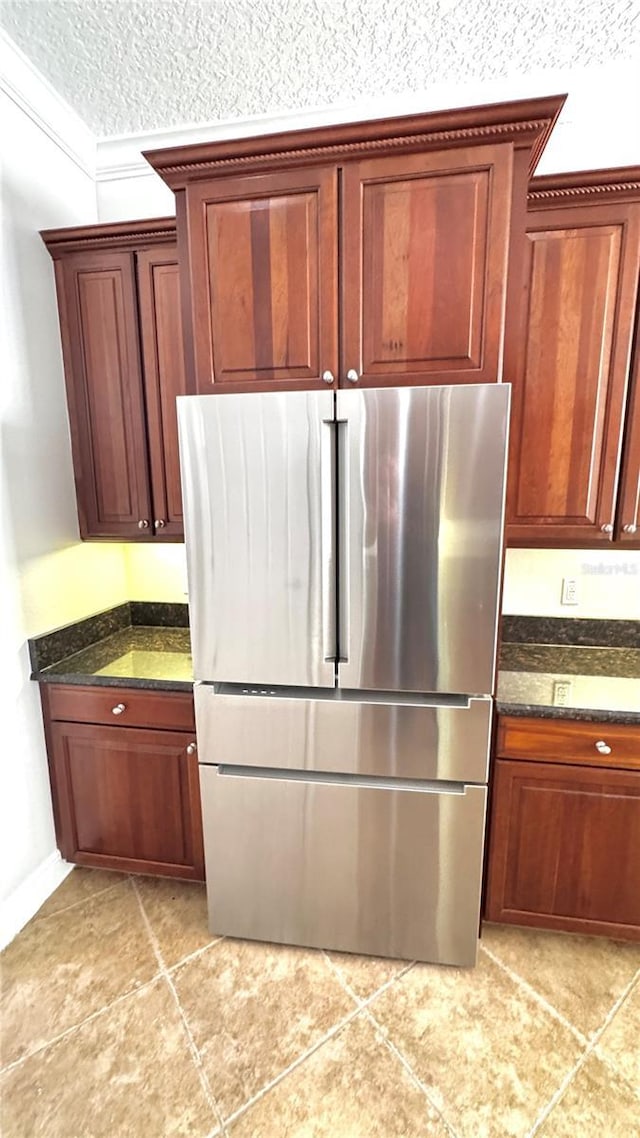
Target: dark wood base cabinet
{"type": "Point", "coordinates": [564, 847]}
{"type": "Point", "coordinates": [126, 795]}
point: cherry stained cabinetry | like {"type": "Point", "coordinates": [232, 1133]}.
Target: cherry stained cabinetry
{"type": "Point", "coordinates": [126, 794]}
{"type": "Point", "coordinates": [120, 321]}
{"type": "Point", "coordinates": [374, 253]}
{"type": "Point", "coordinates": [571, 406]}
{"type": "Point", "coordinates": [564, 844]}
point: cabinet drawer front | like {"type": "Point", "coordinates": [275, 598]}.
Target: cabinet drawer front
{"type": "Point", "coordinates": [570, 741]}
{"type": "Point", "coordinates": [162, 709]}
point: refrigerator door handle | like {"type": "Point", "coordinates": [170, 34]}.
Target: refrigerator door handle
{"type": "Point", "coordinates": [342, 427]}
{"type": "Point", "coordinates": [328, 540]}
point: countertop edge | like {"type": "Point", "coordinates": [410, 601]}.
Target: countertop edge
{"type": "Point", "coordinates": [77, 680]}
{"type": "Point", "coordinates": [585, 714]}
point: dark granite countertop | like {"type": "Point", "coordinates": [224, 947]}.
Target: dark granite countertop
{"type": "Point", "coordinates": [146, 645]}
{"type": "Point", "coordinates": [136, 645]}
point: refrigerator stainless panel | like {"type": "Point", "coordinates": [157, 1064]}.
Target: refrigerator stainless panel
{"type": "Point", "coordinates": [378, 737]}
{"type": "Point", "coordinates": [391, 872]}
{"type": "Point", "coordinates": [421, 509]}
{"type": "Point", "coordinates": [257, 475]}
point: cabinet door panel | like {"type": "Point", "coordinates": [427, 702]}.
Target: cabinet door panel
{"type": "Point", "coordinates": [581, 281]}
{"type": "Point", "coordinates": [164, 379]}
{"type": "Point", "coordinates": [565, 848]}
{"type": "Point", "coordinates": [263, 279]}
{"type": "Point", "coordinates": [99, 333]}
{"type": "Point", "coordinates": [628, 527]}
{"type": "Point", "coordinates": [128, 799]}
{"type": "Point", "coordinates": [426, 244]}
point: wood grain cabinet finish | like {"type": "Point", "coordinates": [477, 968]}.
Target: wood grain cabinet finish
{"type": "Point", "coordinates": [372, 252]}
{"type": "Point", "coordinates": [125, 798]}
{"type": "Point", "coordinates": [425, 240]}
{"type": "Point", "coordinates": [628, 520]}
{"type": "Point", "coordinates": [120, 321]}
{"type": "Point", "coordinates": [564, 841]}
{"type": "Point", "coordinates": [263, 266]}
{"type": "Point", "coordinates": [570, 404]}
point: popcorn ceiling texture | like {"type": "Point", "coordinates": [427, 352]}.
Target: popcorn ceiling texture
{"type": "Point", "coordinates": [136, 65]}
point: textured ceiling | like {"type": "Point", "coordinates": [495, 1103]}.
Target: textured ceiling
{"type": "Point", "coordinates": [135, 65]}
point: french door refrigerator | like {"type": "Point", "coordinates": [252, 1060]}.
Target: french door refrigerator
{"type": "Point", "coordinates": [344, 553]}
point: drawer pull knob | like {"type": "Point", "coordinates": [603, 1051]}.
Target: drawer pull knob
{"type": "Point", "coordinates": [327, 377]}
{"type": "Point", "coordinates": [159, 523]}
{"type": "Point", "coordinates": [603, 748]}
{"type": "Point", "coordinates": [192, 748]}
{"type": "Point", "coordinates": [352, 375]}
{"type": "Point", "coordinates": [143, 524]}
{"type": "Point", "coordinates": [607, 527]}
{"type": "Point", "coordinates": [118, 709]}
{"type": "Point", "coordinates": [629, 528]}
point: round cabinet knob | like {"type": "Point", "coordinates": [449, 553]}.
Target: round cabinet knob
{"type": "Point", "coordinates": [352, 375]}
{"type": "Point", "coordinates": [630, 528]}
{"type": "Point", "coordinates": [143, 524]}
{"type": "Point", "coordinates": [159, 523]}
{"type": "Point", "coordinates": [192, 748]}
{"type": "Point", "coordinates": [327, 376]}
{"type": "Point", "coordinates": [118, 709]}
{"type": "Point", "coordinates": [603, 748]}
{"type": "Point", "coordinates": [607, 528]}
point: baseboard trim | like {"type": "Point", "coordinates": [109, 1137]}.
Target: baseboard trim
{"type": "Point", "coordinates": [21, 905]}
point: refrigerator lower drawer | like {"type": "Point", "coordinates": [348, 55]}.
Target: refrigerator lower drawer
{"type": "Point", "coordinates": [357, 868]}
{"type": "Point", "coordinates": [346, 732]}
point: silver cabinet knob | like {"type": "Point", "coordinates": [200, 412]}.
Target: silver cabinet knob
{"type": "Point", "coordinates": [159, 523]}
{"type": "Point", "coordinates": [352, 375]}
{"type": "Point", "coordinates": [192, 748]}
{"type": "Point", "coordinates": [118, 709]}
{"type": "Point", "coordinates": [607, 527]}
{"type": "Point", "coordinates": [630, 528]}
{"type": "Point", "coordinates": [603, 748]}
{"type": "Point", "coordinates": [327, 376]}
{"type": "Point", "coordinates": [143, 524]}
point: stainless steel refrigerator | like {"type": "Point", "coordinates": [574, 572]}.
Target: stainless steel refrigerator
{"type": "Point", "coordinates": [344, 553]}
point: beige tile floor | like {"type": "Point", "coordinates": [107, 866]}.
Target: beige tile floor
{"type": "Point", "coordinates": [121, 1016]}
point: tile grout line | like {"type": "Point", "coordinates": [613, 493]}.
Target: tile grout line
{"type": "Point", "coordinates": [193, 1050]}
{"type": "Point", "coordinates": [193, 955]}
{"type": "Point", "coordinates": [365, 1008]}
{"type": "Point", "coordinates": [402, 1059]}
{"type": "Point", "coordinates": [578, 1035]}
{"type": "Point", "coordinates": [82, 901]}
{"type": "Point", "coordinates": [335, 1030]}
{"type": "Point", "coordinates": [81, 1023]}
{"type": "Point", "coordinates": [589, 1050]}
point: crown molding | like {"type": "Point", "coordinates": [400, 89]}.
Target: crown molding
{"type": "Point", "coordinates": [21, 82]}
{"type": "Point", "coordinates": [613, 184]}
{"type": "Point", "coordinates": [116, 235]}
{"type": "Point", "coordinates": [526, 123]}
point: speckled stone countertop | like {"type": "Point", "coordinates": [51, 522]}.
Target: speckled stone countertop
{"type": "Point", "coordinates": [549, 668]}
{"type": "Point", "coordinates": [137, 644]}
{"type": "Point", "coordinates": [590, 679]}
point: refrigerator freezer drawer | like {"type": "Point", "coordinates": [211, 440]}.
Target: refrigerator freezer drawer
{"type": "Point", "coordinates": [339, 734]}
{"type": "Point", "coordinates": [391, 872]}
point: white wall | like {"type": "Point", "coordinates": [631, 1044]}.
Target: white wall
{"type": "Point", "coordinates": [47, 576]}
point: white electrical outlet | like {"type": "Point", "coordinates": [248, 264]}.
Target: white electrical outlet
{"type": "Point", "coordinates": [569, 591]}
{"type": "Point", "coordinates": [561, 692]}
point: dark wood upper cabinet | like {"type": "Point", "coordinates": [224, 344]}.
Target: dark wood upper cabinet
{"type": "Point", "coordinates": [371, 252]}
{"type": "Point", "coordinates": [628, 521]}
{"type": "Point", "coordinates": [120, 322]}
{"type": "Point", "coordinates": [164, 379]}
{"type": "Point", "coordinates": [425, 239]}
{"type": "Point", "coordinates": [570, 392]}
{"type": "Point", "coordinates": [264, 280]}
